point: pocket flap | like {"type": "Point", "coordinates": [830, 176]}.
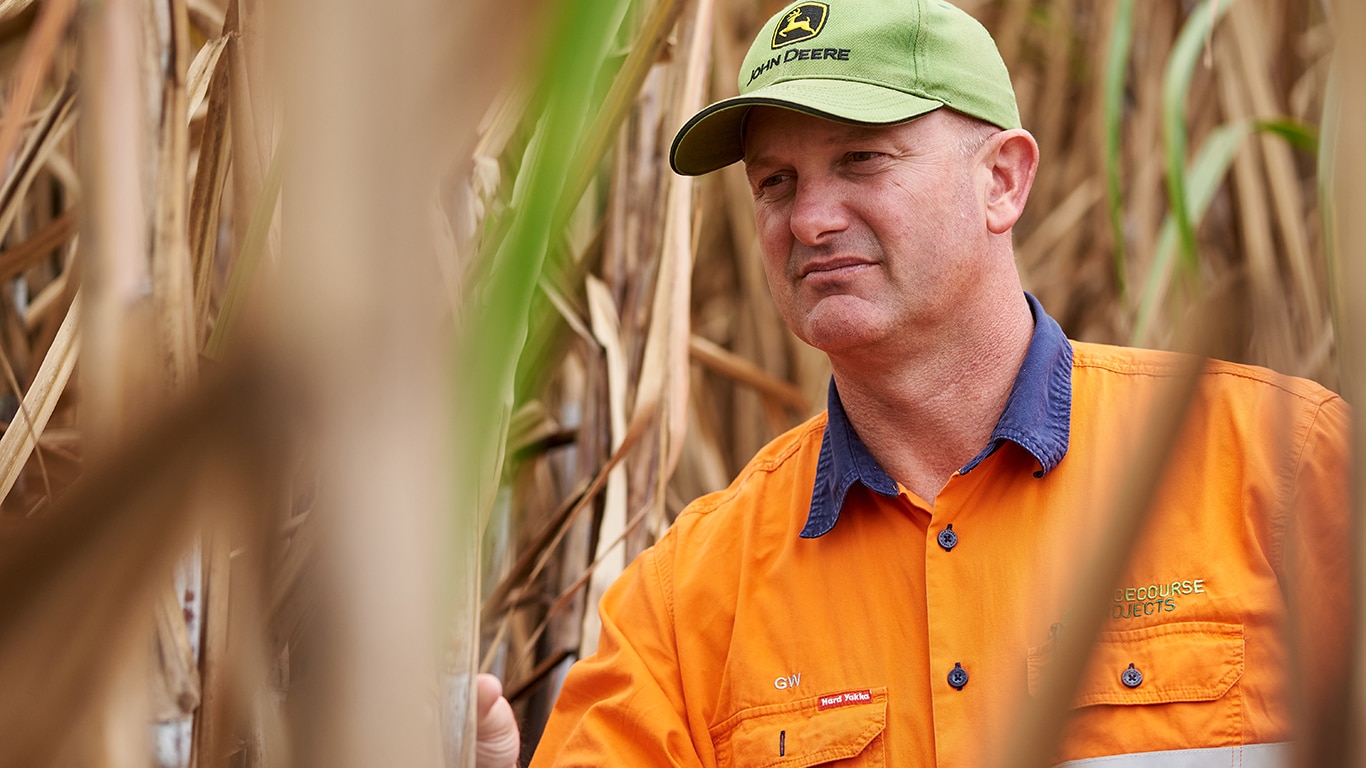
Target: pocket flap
{"type": "Point", "coordinates": [803, 733]}
{"type": "Point", "coordinates": [1182, 661]}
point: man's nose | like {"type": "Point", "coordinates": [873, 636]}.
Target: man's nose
{"type": "Point", "coordinates": [818, 212]}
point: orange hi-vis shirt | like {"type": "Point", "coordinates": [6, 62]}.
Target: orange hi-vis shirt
{"type": "Point", "coordinates": [816, 612]}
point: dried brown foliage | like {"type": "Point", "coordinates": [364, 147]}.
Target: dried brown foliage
{"type": "Point", "coordinates": [258, 438]}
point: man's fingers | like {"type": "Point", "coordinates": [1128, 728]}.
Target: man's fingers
{"type": "Point", "coordinates": [499, 743]}
{"type": "Point", "coordinates": [488, 690]}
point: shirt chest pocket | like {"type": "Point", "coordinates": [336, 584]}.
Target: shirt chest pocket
{"type": "Point", "coordinates": [1165, 687]}
{"type": "Point", "coordinates": [841, 729]}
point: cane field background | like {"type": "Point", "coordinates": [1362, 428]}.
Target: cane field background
{"type": "Point", "coordinates": [349, 348]}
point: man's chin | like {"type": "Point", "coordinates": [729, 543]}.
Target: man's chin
{"type": "Point", "coordinates": [836, 330]}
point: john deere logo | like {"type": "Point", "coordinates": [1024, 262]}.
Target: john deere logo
{"type": "Point", "coordinates": [803, 22]}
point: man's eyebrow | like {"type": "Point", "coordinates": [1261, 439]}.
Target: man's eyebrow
{"type": "Point", "coordinates": [758, 164]}
{"type": "Point", "coordinates": [849, 132]}
{"type": "Point", "coordinates": [748, 161]}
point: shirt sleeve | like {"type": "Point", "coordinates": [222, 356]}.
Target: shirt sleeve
{"type": "Point", "coordinates": [624, 705]}
{"type": "Point", "coordinates": [1318, 578]}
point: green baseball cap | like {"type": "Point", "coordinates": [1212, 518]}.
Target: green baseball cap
{"type": "Point", "coordinates": [857, 61]}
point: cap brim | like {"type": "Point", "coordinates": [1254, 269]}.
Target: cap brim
{"type": "Point", "coordinates": [714, 138]}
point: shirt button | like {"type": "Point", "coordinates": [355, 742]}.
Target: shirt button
{"type": "Point", "coordinates": [1131, 677]}
{"type": "Point", "coordinates": [947, 538]}
{"type": "Point", "coordinates": [958, 677]}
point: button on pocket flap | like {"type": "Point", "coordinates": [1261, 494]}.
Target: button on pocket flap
{"type": "Point", "coordinates": [1183, 661]}
{"type": "Point", "coordinates": [807, 732]}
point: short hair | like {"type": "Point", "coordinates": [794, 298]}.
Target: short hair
{"type": "Point", "coordinates": [973, 132]}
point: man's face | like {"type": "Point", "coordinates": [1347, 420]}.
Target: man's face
{"type": "Point", "coordinates": [869, 233]}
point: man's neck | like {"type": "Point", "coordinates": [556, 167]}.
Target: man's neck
{"type": "Point", "coordinates": [932, 409]}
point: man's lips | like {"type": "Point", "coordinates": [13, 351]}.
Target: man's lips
{"type": "Point", "coordinates": [830, 265]}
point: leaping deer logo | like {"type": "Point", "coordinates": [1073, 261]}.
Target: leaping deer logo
{"type": "Point", "coordinates": [796, 21]}
{"type": "Point", "coordinates": [803, 22]}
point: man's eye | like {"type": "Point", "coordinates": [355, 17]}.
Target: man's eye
{"type": "Point", "coordinates": [773, 181]}
{"type": "Point", "coordinates": [862, 157]}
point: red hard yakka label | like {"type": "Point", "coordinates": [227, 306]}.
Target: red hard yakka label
{"type": "Point", "coordinates": [832, 700]}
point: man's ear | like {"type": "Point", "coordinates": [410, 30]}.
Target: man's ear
{"type": "Point", "coordinates": [1013, 157]}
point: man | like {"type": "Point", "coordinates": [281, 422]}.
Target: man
{"type": "Point", "coordinates": [884, 585]}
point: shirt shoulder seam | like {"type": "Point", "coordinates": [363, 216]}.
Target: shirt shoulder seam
{"type": "Point", "coordinates": [795, 438]}
{"type": "Point", "coordinates": [1289, 485]}
{"type": "Point", "coordinates": [1302, 389]}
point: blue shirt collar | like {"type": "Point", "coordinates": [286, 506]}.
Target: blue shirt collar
{"type": "Point", "coordinates": [1037, 417]}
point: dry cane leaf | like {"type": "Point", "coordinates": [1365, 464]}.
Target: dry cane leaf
{"type": "Point", "coordinates": [41, 399]}
{"type": "Point", "coordinates": [178, 694]}
{"type": "Point", "coordinates": [11, 8]}
{"type": "Point", "coordinates": [1281, 181]}
{"type": "Point", "coordinates": [730, 364]}
{"type": "Point", "coordinates": [664, 370]}
{"type": "Point", "coordinates": [210, 179]}
{"type": "Point", "coordinates": [607, 329]}
{"type": "Point", "coordinates": [40, 48]}
{"type": "Point", "coordinates": [37, 245]}
{"type": "Point", "coordinates": [43, 140]}
{"type": "Point", "coordinates": [172, 289]}
{"type": "Point", "coordinates": [201, 72]}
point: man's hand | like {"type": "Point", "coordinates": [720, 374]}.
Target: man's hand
{"type": "Point", "coordinates": [498, 744]}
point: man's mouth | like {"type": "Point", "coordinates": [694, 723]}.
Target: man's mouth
{"type": "Point", "coordinates": [832, 265]}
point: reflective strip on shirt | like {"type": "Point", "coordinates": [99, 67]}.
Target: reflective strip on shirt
{"type": "Point", "coordinates": [1249, 756]}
